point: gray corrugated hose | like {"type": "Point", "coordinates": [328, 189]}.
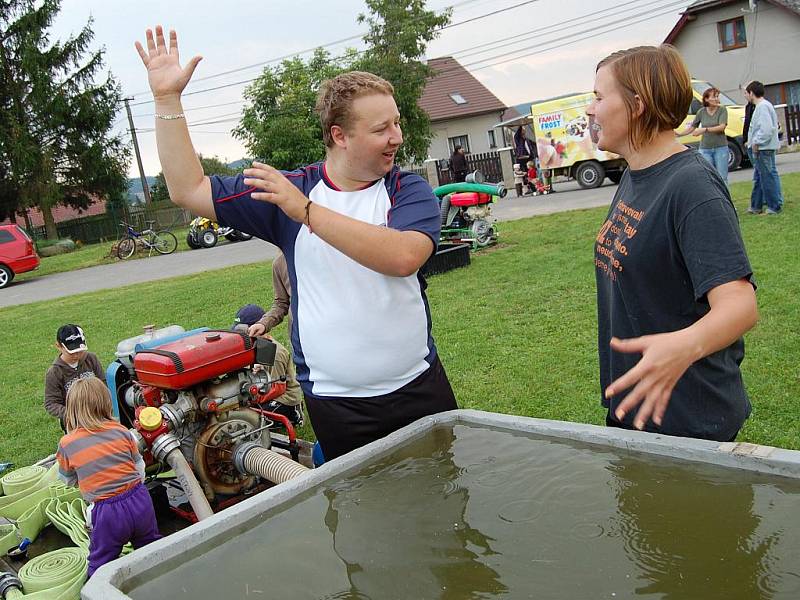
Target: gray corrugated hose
{"type": "Point", "coordinates": [252, 459]}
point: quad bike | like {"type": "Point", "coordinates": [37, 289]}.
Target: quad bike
{"type": "Point", "coordinates": [466, 210]}
{"type": "Point", "coordinates": [205, 233]}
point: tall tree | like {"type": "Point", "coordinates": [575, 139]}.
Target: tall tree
{"type": "Point", "coordinates": [398, 35]}
{"type": "Point", "coordinates": [279, 125]}
{"type": "Point", "coordinates": [56, 144]}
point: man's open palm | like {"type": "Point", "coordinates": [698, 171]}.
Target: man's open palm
{"type": "Point", "coordinates": [164, 72]}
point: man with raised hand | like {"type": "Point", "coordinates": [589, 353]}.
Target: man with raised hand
{"type": "Point", "coordinates": [355, 231]}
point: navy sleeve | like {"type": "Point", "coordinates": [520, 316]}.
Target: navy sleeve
{"type": "Point", "coordinates": [236, 208]}
{"type": "Point", "coordinates": [414, 207]}
{"type": "Point", "coordinates": [712, 247]}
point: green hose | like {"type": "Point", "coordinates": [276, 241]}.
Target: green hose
{"type": "Point", "coordinates": [493, 189]}
{"type": "Point", "coordinates": [57, 575]}
{"type": "Point", "coordinates": [21, 479]}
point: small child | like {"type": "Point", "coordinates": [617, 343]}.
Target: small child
{"type": "Point", "coordinates": [533, 180]}
{"type": "Point", "coordinates": [102, 457]}
{"type": "Point", "coordinates": [519, 179]}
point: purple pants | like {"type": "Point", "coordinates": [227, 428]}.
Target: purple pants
{"type": "Point", "coordinates": [127, 517]}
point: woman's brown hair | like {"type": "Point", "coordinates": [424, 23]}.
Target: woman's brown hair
{"type": "Point", "coordinates": [656, 76]}
{"type": "Point", "coordinates": [88, 405]}
{"type": "Point", "coordinates": [335, 99]}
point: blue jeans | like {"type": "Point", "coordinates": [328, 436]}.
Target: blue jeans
{"type": "Point", "coordinates": [766, 183]}
{"type": "Point", "coordinates": [718, 157]}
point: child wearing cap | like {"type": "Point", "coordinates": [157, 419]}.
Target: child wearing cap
{"type": "Point", "coordinates": [73, 362]}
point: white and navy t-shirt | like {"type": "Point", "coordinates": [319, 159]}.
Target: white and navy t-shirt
{"type": "Point", "coordinates": [356, 333]}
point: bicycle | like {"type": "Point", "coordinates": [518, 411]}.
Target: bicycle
{"type": "Point", "coordinates": [163, 242]}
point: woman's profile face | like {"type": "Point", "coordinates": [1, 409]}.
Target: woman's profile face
{"type": "Point", "coordinates": [608, 114]}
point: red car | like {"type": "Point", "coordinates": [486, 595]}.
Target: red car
{"type": "Point", "coordinates": [17, 253]}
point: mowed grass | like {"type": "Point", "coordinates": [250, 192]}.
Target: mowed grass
{"type": "Point", "coordinates": [516, 330]}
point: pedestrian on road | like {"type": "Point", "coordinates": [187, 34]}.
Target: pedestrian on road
{"type": "Point", "coordinates": [763, 140]}
{"type": "Point", "coordinates": [355, 231]}
{"type": "Point", "coordinates": [710, 123]}
{"type": "Point", "coordinates": [458, 164]}
{"type": "Point", "coordinates": [675, 290]}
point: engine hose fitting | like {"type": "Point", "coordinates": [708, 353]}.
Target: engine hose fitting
{"type": "Point", "coordinates": [173, 416]}
{"type": "Point", "coordinates": [252, 459]}
{"type": "Point", "coordinates": [163, 445]}
{"type": "Point", "coordinates": [8, 582]}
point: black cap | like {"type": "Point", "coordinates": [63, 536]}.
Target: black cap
{"type": "Point", "coordinates": [72, 338]}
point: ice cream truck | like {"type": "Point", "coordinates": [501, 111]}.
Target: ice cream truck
{"type": "Point", "coordinates": [564, 143]}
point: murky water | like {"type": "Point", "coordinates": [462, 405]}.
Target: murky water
{"type": "Point", "coordinates": [472, 512]}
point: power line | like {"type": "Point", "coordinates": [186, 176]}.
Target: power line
{"type": "Point", "coordinates": [250, 80]}
{"type": "Point", "coordinates": [550, 44]}
{"type": "Point", "coordinates": [470, 51]}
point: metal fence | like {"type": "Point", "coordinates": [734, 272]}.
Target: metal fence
{"type": "Point", "coordinates": [421, 171]}
{"type": "Point", "coordinates": [101, 228]}
{"type": "Point", "coordinates": [487, 163]}
{"type": "Point", "coordinates": [792, 124]}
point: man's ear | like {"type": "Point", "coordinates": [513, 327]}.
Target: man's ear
{"type": "Point", "coordinates": [338, 136]}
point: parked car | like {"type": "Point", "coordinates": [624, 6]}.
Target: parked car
{"type": "Point", "coordinates": [17, 253]}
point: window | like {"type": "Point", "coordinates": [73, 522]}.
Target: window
{"type": "Point", "coordinates": [492, 140]}
{"type": "Point", "coordinates": [784, 93]}
{"type": "Point", "coordinates": [6, 236]}
{"type": "Point", "coordinates": [459, 140]}
{"type": "Point", "coordinates": [457, 98]}
{"type": "Point", "coordinates": [732, 34]}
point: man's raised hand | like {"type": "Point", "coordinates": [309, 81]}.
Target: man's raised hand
{"type": "Point", "coordinates": [164, 73]}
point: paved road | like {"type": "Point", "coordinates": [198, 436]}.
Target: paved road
{"type": "Point", "coordinates": [568, 197]}
{"type": "Point", "coordinates": [124, 273]}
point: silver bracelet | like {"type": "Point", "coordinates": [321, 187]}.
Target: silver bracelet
{"type": "Point", "coordinates": [171, 117]}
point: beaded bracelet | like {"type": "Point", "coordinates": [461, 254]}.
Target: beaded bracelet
{"type": "Point", "coordinates": [171, 117]}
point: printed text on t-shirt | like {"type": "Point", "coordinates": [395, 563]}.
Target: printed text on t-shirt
{"type": "Point", "coordinates": [611, 245]}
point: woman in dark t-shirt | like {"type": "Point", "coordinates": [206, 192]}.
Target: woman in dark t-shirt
{"type": "Point", "coordinates": [675, 289]}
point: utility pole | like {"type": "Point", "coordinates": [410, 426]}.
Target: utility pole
{"type": "Point", "coordinates": [145, 187]}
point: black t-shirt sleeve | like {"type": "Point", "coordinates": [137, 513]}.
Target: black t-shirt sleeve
{"type": "Point", "coordinates": [712, 247]}
{"type": "Point", "coordinates": [415, 207]}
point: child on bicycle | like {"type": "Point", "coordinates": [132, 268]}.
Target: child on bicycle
{"type": "Point", "coordinates": [103, 458]}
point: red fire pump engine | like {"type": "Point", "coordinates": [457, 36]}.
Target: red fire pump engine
{"type": "Point", "coordinates": [194, 404]}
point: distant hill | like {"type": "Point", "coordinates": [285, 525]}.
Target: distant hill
{"type": "Point", "coordinates": [240, 164]}
{"type": "Point", "coordinates": [135, 191]}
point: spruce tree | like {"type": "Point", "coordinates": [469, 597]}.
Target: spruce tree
{"type": "Point", "coordinates": [56, 143]}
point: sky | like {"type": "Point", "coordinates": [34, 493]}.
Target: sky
{"type": "Point", "coordinates": [533, 50]}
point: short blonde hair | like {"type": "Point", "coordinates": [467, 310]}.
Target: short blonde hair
{"type": "Point", "coordinates": [88, 405]}
{"type": "Point", "coordinates": [658, 76]}
{"type": "Point", "coordinates": [336, 96]}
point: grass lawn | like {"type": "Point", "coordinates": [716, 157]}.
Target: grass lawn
{"type": "Point", "coordinates": [92, 255]}
{"type": "Point", "coordinates": [516, 330]}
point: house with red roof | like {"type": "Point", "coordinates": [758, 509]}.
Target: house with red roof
{"type": "Point", "coordinates": [463, 112]}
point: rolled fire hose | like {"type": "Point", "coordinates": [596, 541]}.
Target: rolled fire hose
{"type": "Point", "coordinates": [252, 459]}
{"type": "Point", "coordinates": [21, 479]}
{"type": "Point", "coordinates": [481, 188]}
{"type": "Point", "coordinates": [57, 575]}
{"type": "Point", "coordinates": [167, 448]}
